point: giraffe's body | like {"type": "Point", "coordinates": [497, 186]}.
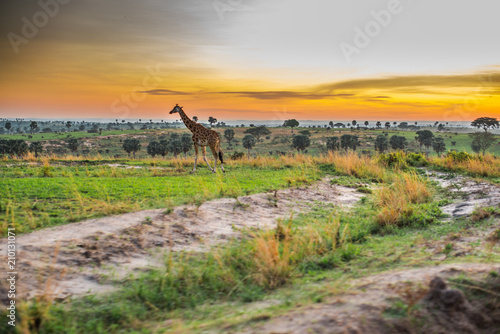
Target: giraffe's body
{"type": "Point", "coordinates": [202, 137]}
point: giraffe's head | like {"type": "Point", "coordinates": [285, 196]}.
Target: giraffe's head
{"type": "Point", "coordinates": [176, 109]}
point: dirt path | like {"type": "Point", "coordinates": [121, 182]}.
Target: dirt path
{"type": "Point", "coordinates": [73, 259]}
{"type": "Point", "coordinates": [361, 308]}
{"type": "Point", "coordinates": [471, 193]}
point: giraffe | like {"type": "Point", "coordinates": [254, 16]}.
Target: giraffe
{"type": "Point", "coordinates": [202, 137]}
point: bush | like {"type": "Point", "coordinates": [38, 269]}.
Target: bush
{"type": "Point", "coordinates": [461, 156]}
{"type": "Point", "coordinates": [416, 160]}
{"type": "Point", "coordinates": [237, 155]}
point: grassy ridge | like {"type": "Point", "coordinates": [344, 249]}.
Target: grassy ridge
{"type": "Point", "coordinates": [70, 194]}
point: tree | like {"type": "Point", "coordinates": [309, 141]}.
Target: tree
{"type": "Point", "coordinates": [131, 146]}
{"type": "Point", "coordinates": [8, 126]}
{"type": "Point", "coordinates": [367, 123]}
{"type": "Point", "coordinates": [332, 143]}
{"type": "Point", "coordinates": [33, 126]}
{"type": "Point", "coordinates": [229, 136]}
{"type": "Point", "coordinates": [13, 147]}
{"type": "Point", "coordinates": [36, 147]}
{"type": "Point", "coordinates": [292, 123]}
{"type": "Point", "coordinates": [349, 142]}
{"type": "Point", "coordinates": [82, 127]}
{"type": "Point", "coordinates": [301, 142]}
{"type": "Point", "coordinates": [186, 143]}
{"type": "Point", "coordinates": [330, 124]}
{"type": "Point", "coordinates": [175, 144]}
{"type": "Point", "coordinates": [403, 125]}
{"type": "Point", "coordinates": [481, 141]}
{"type": "Point", "coordinates": [305, 132]}
{"type": "Point", "coordinates": [339, 125]}
{"type": "Point", "coordinates": [398, 142]}
{"type": "Point", "coordinates": [258, 131]}
{"type": "Point", "coordinates": [212, 121]}
{"type": "Point", "coordinates": [387, 125]}
{"type": "Point", "coordinates": [378, 125]}
{"type": "Point", "coordinates": [163, 148]}
{"type": "Point", "coordinates": [438, 145]}
{"type": "Point", "coordinates": [249, 142]}
{"type": "Point", "coordinates": [153, 148]}
{"type": "Point", "coordinates": [73, 144]}
{"type": "Point", "coordinates": [354, 123]}
{"type": "Point", "coordinates": [485, 123]}
{"type": "Point", "coordinates": [68, 124]}
{"type": "Point", "coordinates": [195, 118]}
{"type": "Point", "coordinates": [424, 137]}
{"type": "Point", "coordinates": [440, 127]}
{"type": "Point", "coordinates": [381, 143]}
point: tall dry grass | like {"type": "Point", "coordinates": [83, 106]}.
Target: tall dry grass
{"type": "Point", "coordinates": [487, 165]}
{"type": "Point", "coordinates": [358, 166]}
{"type": "Point", "coordinates": [395, 201]}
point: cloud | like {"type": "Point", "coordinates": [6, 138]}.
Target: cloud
{"type": "Point", "coordinates": [418, 83]}
{"type": "Point", "coordinates": [163, 92]}
{"type": "Point", "coordinates": [277, 95]}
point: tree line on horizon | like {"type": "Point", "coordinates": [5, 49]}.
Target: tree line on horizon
{"type": "Point", "coordinates": [177, 144]}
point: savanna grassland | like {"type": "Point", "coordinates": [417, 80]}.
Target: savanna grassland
{"type": "Point", "coordinates": [258, 281]}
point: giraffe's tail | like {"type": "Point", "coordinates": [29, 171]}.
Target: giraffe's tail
{"type": "Point", "coordinates": [220, 156]}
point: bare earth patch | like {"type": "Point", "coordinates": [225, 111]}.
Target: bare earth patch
{"type": "Point", "coordinates": [73, 259]}
{"type": "Point", "coordinates": [361, 309]}
{"type": "Point", "coordinates": [472, 193]}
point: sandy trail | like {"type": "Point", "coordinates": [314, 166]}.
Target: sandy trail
{"type": "Point", "coordinates": [472, 193]}
{"type": "Point", "coordinates": [360, 309]}
{"type": "Point", "coordinates": [71, 260]}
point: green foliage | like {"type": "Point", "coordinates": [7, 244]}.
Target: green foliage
{"type": "Point", "coordinates": [292, 123]}
{"type": "Point", "coordinates": [485, 123]}
{"type": "Point", "coordinates": [481, 141]}
{"type": "Point", "coordinates": [36, 147]}
{"type": "Point", "coordinates": [416, 159]}
{"type": "Point", "coordinates": [229, 135]}
{"type": "Point", "coordinates": [301, 142]}
{"type": "Point", "coordinates": [73, 144]}
{"type": "Point", "coordinates": [394, 160]}
{"type": "Point", "coordinates": [186, 143]}
{"type": "Point", "coordinates": [424, 138]}
{"type": "Point", "coordinates": [154, 148]}
{"type": "Point", "coordinates": [381, 143]}
{"type": "Point", "coordinates": [401, 160]}
{"type": "Point", "coordinates": [13, 147]}
{"type": "Point", "coordinates": [460, 156]}
{"type": "Point", "coordinates": [249, 142]}
{"type": "Point", "coordinates": [131, 146]}
{"type": "Point", "coordinates": [332, 143]}
{"type": "Point", "coordinates": [438, 145]}
{"type": "Point", "coordinates": [258, 131]}
{"type": "Point", "coordinates": [398, 142]}
{"type": "Point", "coordinates": [349, 142]}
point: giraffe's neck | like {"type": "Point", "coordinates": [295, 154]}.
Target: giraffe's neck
{"type": "Point", "coordinates": [187, 121]}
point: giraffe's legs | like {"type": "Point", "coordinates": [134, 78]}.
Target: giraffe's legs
{"type": "Point", "coordinates": [204, 152]}
{"type": "Point", "coordinates": [195, 158]}
{"type": "Point", "coordinates": [215, 157]}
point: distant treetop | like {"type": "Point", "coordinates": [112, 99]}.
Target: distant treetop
{"type": "Point", "coordinates": [485, 123]}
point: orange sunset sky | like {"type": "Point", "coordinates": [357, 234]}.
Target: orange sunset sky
{"type": "Point", "coordinates": [251, 59]}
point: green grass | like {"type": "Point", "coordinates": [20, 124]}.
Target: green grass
{"type": "Point", "coordinates": [30, 200]}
